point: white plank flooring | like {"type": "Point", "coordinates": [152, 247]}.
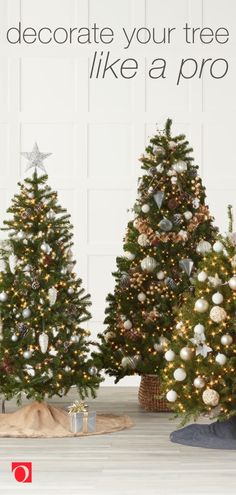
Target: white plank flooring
{"type": "Point", "coordinates": [140, 461]}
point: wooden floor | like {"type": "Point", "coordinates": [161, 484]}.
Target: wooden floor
{"type": "Point", "coordinates": [138, 461]}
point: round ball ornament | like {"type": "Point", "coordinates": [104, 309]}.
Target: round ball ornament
{"type": "Point", "coordinates": [199, 329]}
{"type": "Point", "coordinates": [74, 339]}
{"type": "Point", "coordinates": [221, 359]}
{"type": "Point", "coordinates": [143, 240]}
{"type": "Point", "coordinates": [27, 354]}
{"type": "Point", "coordinates": [171, 396]}
{"type": "Point", "coordinates": [20, 235]}
{"type": "Point", "coordinates": [201, 305]}
{"type": "Point", "coordinates": [165, 225]}
{"type": "Point", "coordinates": [145, 208]}
{"type": "Point", "coordinates": [93, 370]}
{"type": "Point", "coordinates": [174, 180]}
{"type": "Point", "coordinates": [26, 313]}
{"type": "Point", "coordinates": [186, 353]}
{"type": "Point", "coordinates": [202, 276]}
{"type": "Point", "coordinates": [217, 298]}
{"type": "Point", "coordinates": [3, 296]}
{"type": "Point", "coordinates": [130, 362]}
{"type": "Point", "coordinates": [180, 167]}
{"type": "Point", "coordinates": [188, 215]}
{"type": "Point", "coordinates": [218, 314]}
{"type": "Point", "coordinates": [136, 223]}
{"type": "Point", "coordinates": [169, 355]}
{"type": "Point", "coordinates": [179, 374]}
{"type": "Point", "coordinates": [148, 264]}
{"type": "Point", "coordinates": [45, 248]}
{"type": "Point", "coordinates": [226, 339]}
{"type": "Point", "coordinates": [141, 297]}
{"type": "Point", "coordinates": [232, 283]}
{"type": "Point", "coordinates": [129, 256]}
{"type": "Point", "coordinates": [67, 369]}
{"type": "Point", "coordinates": [203, 247]}
{"type": "Point", "coordinates": [14, 338]}
{"type": "Point", "coordinates": [218, 247]}
{"type": "Point", "coordinates": [160, 275]}
{"type": "Point", "coordinates": [210, 397]}
{"type": "Point", "coordinates": [70, 291]}
{"type": "Point", "coordinates": [199, 382]}
{"type": "Point", "coordinates": [127, 324]}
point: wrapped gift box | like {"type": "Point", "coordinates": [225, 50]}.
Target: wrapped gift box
{"type": "Point", "coordinates": [83, 422]}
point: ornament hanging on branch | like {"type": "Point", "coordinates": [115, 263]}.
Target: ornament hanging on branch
{"type": "Point", "coordinates": [43, 342]}
{"type": "Point", "coordinates": [13, 263]}
{"type": "Point", "coordinates": [52, 295]}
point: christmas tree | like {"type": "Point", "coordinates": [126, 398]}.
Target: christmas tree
{"type": "Point", "coordinates": [170, 231]}
{"type": "Point", "coordinates": [43, 346]}
{"type": "Point", "coordinates": [199, 376]}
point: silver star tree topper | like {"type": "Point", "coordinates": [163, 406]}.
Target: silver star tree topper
{"type": "Point", "coordinates": [35, 158]}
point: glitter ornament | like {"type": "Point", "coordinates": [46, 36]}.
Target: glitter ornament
{"type": "Point", "coordinates": [202, 276]}
{"type": "Point", "coordinates": [210, 397]}
{"type": "Point", "coordinates": [143, 240]}
{"type": "Point", "coordinates": [13, 263]}
{"type": "Point", "coordinates": [141, 297]}
{"type": "Point", "coordinates": [218, 314]}
{"type": "Point", "coordinates": [171, 396]}
{"type": "Point", "coordinates": [179, 374]}
{"type": "Point", "coordinates": [52, 296]}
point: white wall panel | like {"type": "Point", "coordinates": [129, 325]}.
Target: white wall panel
{"type": "Point", "coordinates": [97, 129]}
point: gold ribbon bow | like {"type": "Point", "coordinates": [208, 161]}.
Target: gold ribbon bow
{"type": "Point", "coordinates": [80, 407]}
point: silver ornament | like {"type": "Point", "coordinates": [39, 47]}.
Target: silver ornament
{"type": "Point", "coordinates": [43, 342]}
{"type": "Point", "coordinates": [55, 332]}
{"type": "Point", "coordinates": [26, 313]}
{"type": "Point", "coordinates": [159, 198]}
{"type": "Point", "coordinates": [27, 354]}
{"type": "Point", "coordinates": [186, 265]}
{"type": "Point", "coordinates": [93, 370]}
{"type": "Point", "coordinates": [226, 339]}
{"type": "Point", "coordinates": [148, 264]}
{"type": "Point", "coordinates": [180, 167]}
{"type": "Point", "coordinates": [201, 305]}
{"type": "Point", "coordinates": [165, 225]}
{"type": "Point", "coordinates": [35, 158]}
{"type": "Point", "coordinates": [221, 359]}
{"type": "Point", "coordinates": [186, 353]}
{"type": "Point", "coordinates": [70, 291]}
{"type": "Point", "coordinates": [199, 382]}
{"type": "Point", "coordinates": [129, 256]}
{"type": "Point", "coordinates": [177, 219]}
{"type": "Point", "coordinates": [130, 362]}
{"type": "Point", "coordinates": [14, 338]}
{"type": "Point", "coordinates": [203, 247]}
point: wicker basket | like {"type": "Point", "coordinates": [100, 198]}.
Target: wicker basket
{"type": "Point", "coordinates": [150, 394]}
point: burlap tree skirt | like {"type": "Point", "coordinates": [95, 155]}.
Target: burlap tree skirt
{"type": "Point", "coordinates": [44, 421]}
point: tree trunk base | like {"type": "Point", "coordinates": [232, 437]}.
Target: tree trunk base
{"type": "Point", "coordinates": [150, 397]}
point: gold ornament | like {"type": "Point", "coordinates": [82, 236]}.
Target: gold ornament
{"type": "Point", "coordinates": [218, 314]}
{"type": "Point", "coordinates": [210, 397]}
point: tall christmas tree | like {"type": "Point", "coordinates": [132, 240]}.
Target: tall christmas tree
{"type": "Point", "coordinates": [43, 345]}
{"type": "Point", "coordinates": [199, 376]}
{"type": "Point", "coordinates": [170, 231]}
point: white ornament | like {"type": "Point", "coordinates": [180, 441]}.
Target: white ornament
{"type": "Point", "coordinates": [3, 265]}
{"type": "Point", "coordinates": [210, 397]}
{"type": "Point", "coordinates": [233, 261]}
{"type": "Point", "coordinates": [46, 248]}
{"type": "Point", "coordinates": [171, 396]}
{"type": "Point", "coordinates": [201, 305]}
{"type": "Point", "coordinates": [169, 355]}
{"type": "Point", "coordinates": [141, 297]}
{"type": "Point", "coordinates": [128, 324]}
{"type": "Point", "coordinates": [3, 296]}
{"type": "Point", "coordinates": [202, 276]}
{"type": "Point", "coordinates": [172, 145]}
{"type": "Point", "coordinates": [13, 263]}
{"type": "Point", "coordinates": [27, 354]}
{"type": "Point", "coordinates": [179, 374]}
{"type": "Point", "coordinates": [52, 295]}
{"type": "Point", "coordinates": [218, 314]}
{"type": "Point", "coordinates": [55, 332]}
{"type": "Point", "coordinates": [148, 264]}
{"type": "Point", "coordinates": [159, 168]}
{"type": "Point", "coordinates": [174, 180]}
{"type": "Point", "coordinates": [199, 329]}
{"type": "Point", "coordinates": [20, 235]}
{"type": "Point", "coordinates": [199, 382]}
{"type": "Point", "coordinates": [136, 223]}
{"type": "Point", "coordinates": [179, 325]}
{"type": "Point", "coordinates": [226, 339]}
{"type": "Point", "coordinates": [26, 313]}
{"type": "Point", "coordinates": [130, 361]}
{"type": "Point", "coordinates": [70, 291]}
{"type": "Point", "coordinates": [53, 351]}
{"type": "Point", "coordinates": [143, 240]}
{"type": "Point", "coordinates": [67, 369]}
{"type": "Point", "coordinates": [129, 256]}
{"type": "Point", "coordinates": [51, 214]}
{"type": "Point", "coordinates": [145, 208]}
{"type": "Point", "coordinates": [160, 275]}
{"type": "Point", "coordinates": [75, 339]}
{"type": "Point", "coordinates": [188, 215]}
{"type": "Point", "coordinates": [196, 203]}
{"type": "Point", "coordinates": [186, 353]}
{"type": "Point", "coordinates": [215, 281]}
{"type": "Point", "coordinates": [221, 359]}
{"type": "Point", "coordinates": [218, 247]}
{"type": "Point", "coordinates": [232, 283]}
{"type": "Point", "coordinates": [183, 234]}
{"type": "Point", "coordinates": [203, 247]}
{"type": "Point", "coordinates": [180, 167]}
{"type": "Point", "coordinates": [29, 370]}
{"type": "Point", "coordinates": [14, 337]}
{"type": "Point", "coordinates": [43, 342]}
{"type": "Point", "coordinates": [217, 298]}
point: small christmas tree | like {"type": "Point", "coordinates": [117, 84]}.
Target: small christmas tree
{"type": "Point", "coordinates": [163, 244]}
{"type": "Point", "coordinates": [43, 347]}
{"type": "Point", "coordinates": [200, 373]}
